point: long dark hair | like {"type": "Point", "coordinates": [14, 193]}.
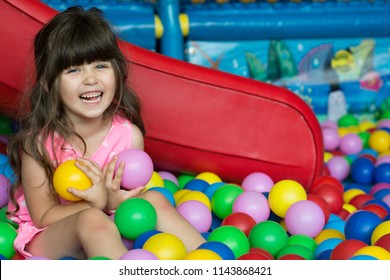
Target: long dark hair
{"type": "Point", "coordinates": [73, 37]}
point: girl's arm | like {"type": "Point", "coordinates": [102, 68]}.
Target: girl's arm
{"type": "Point", "coordinates": [44, 206]}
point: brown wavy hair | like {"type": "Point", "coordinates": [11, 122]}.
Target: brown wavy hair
{"type": "Point", "coordinates": [73, 37]}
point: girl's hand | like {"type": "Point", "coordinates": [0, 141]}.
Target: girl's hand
{"type": "Point", "coordinates": [96, 195]}
{"type": "Point", "coordinates": [116, 195]}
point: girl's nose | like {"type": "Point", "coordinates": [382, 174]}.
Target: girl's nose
{"type": "Point", "coordinates": [90, 78]}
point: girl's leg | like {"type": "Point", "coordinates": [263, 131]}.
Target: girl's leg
{"type": "Point", "coordinates": [85, 234]}
{"type": "Point", "coordinates": [170, 221]}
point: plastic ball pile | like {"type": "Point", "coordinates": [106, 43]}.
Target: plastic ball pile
{"type": "Point", "coordinates": [343, 215]}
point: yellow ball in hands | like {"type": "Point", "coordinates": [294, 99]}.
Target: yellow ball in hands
{"type": "Point", "coordinates": [68, 175]}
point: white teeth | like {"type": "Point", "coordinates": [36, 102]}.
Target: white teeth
{"type": "Point", "coordinates": [91, 97]}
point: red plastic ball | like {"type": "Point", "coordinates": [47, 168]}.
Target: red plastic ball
{"type": "Point", "coordinates": [360, 199]}
{"type": "Point", "coordinates": [291, 257]}
{"type": "Point", "coordinates": [262, 251]}
{"type": "Point", "coordinates": [343, 214]}
{"type": "Point", "coordinates": [346, 249]}
{"type": "Point", "coordinates": [384, 242]}
{"type": "Point", "coordinates": [325, 180]}
{"type": "Point", "coordinates": [332, 195]}
{"type": "Point", "coordinates": [240, 220]}
{"type": "Point", "coordinates": [376, 209]}
{"type": "Point", "coordinates": [253, 256]}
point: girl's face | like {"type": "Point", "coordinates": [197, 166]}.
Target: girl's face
{"type": "Point", "coordinates": [87, 90]}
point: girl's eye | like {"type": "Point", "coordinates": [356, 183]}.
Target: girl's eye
{"type": "Point", "coordinates": [71, 70]}
{"type": "Point", "coordinates": [101, 66]}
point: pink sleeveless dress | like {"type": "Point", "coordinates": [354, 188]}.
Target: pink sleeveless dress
{"type": "Point", "coordinates": [118, 139]}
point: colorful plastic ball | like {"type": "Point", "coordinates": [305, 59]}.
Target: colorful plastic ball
{"type": "Point", "coordinates": [327, 234]}
{"type": "Point", "coordinates": [7, 237]}
{"type": "Point", "coordinates": [379, 141]}
{"type": "Point", "coordinates": [374, 251]}
{"type": "Point", "coordinates": [223, 200]}
{"type": "Point", "coordinates": [362, 171]}
{"type": "Point", "coordinates": [381, 230]}
{"type": "Point", "coordinates": [141, 239]}
{"type": "Point", "coordinates": [332, 195]}
{"type": "Point", "coordinates": [166, 246]}
{"type": "Point", "coordinates": [338, 167]}
{"type": "Point", "coordinates": [196, 185]}
{"type": "Point", "coordinates": [220, 248]}
{"type": "Point", "coordinates": [166, 175]}
{"type": "Point", "coordinates": [328, 244]}
{"type": "Point", "coordinates": [253, 203]}
{"type": "Point", "coordinates": [331, 139]}
{"type": "Point", "coordinates": [138, 169]}
{"type": "Point", "coordinates": [257, 181]}
{"type": "Point", "coordinates": [183, 179]}
{"type": "Point", "coordinates": [363, 258]}
{"type": "Point", "coordinates": [360, 225]}
{"type": "Point", "coordinates": [210, 190]}
{"type": "Point", "coordinates": [233, 237]}
{"type": "Point", "coordinates": [322, 203]}
{"type": "Point", "coordinates": [268, 235]}
{"type": "Point", "coordinates": [196, 213]}
{"type": "Point", "coordinates": [351, 144]}
{"type": "Point", "coordinates": [291, 257]}
{"type": "Point", "coordinates": [135, 216]}
{"type": "Point", "coordinates": [254, 256]}
{"type": "Point", "coordinates": [155, 181]}
{"type": "Point", "coordinates": [386, 199]}
{"type": "Point", "coordinates": [351, 193]}
{"type": "Point", "coordinates": [382, 173]}
{"type": "Point", "coordinates": [69, 175]}
{"type": "Point", "coordinates": [379, 187]}
{"type": "Point", "coordinates": [348, 120]}
{"type": "Point", "coordinates": [346, 249]}
{"type": "Point", "coordinates": [5, 185]}
{"type": "Point", "coordinates": [284, 194]}
{"type": "Point", "coordinates": [376, 208]}
{"type": "Point", "coordinates": [359, 200]}
{"type": "Point", "coordinates": [241, 221]}
{"type": "Point", "coordinates": [337, 225]}
{"type": "Point", "coordinates": [209, 177]}
{"type": "Point", "coordinates": [138, 254]}
{"type": "Point", "coordinates": [299, 250]}
{"type": "Point", "coordinates": [325, 180]}
{"type": "Point", "coordinates": [384, 242]}
{"type": "Point", "coordinates": [305, 217]}
{"type": "Point", "coordinates": [382, 159]}
{"type": "Point", "coordinates": [202, 254]}
{"type": "Point", "coordinates": [170, 186]}
{"type": "Point", "coordinates": [194, 195]}
{"type": "Point", "coordinates": [302, 240]}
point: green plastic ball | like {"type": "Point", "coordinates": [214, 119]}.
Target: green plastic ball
{"type": "Point", "coordinates": [268, 235]}
{"type": "Point", "coordinates": [348, 120]}
{"type": "Point", "coordinates": [170, 186]}
{"type": "Point", "coordinates": [223, 199]}
{"type": "Point", "coordinates": [7, 237]}
{"type": "Point", "coordinates": [232, 237]}
{"type": "Point", "coordinates": [183, 179]}
{"type": "Point", "coordinates": [296, 250]}
{"type": "Point", "coordinates": [303, 240]}
{"type": "Point", "coordinates": [134, 217]}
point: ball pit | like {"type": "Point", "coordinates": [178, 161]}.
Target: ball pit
{"type": "Point", "coordinates": [165, 246]}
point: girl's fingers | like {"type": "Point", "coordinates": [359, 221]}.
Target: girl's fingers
{"type": "Point", "coordinates": [91, 169]}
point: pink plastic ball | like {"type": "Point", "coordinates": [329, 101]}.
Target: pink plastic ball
{"type": "Point", "coordinates": [253, 203]}
{"type": "Point", "coordinates": [351, 144]}
{"type": "Point", "coordinates": [257, 181]}
{"type": "Point", "coordinates": [329, 124]}
{"type": "Point", "coordinates": [331, 138]}
{"type": "Point", "coordinates": [386, 199]}
{"type": "Point", "coordinates": [4, 188]}
{"type": "Point", "coordinates": [338, 167]}
{"type": "Point", "coordinates": [165, 175]}
{"type": "Point", "coordinates": [197, 214]}
{"type": "Point", "coordinates": [139, 254]}
{"type": "Point", "coordinates": [138, 170]}
{"type": "Point", "coordinates": [383, 124]}
{"type": "Point", "coordinates": [382, 159]}
{"type": "Point", "coordinates": [305, 217]}
{"type": "Point", "coordinates": [379, 186]}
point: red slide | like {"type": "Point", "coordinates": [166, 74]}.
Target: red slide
{"type": "Point", "coordinates": [197, 119]}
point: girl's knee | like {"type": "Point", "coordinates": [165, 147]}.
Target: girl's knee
{"type": "Point", "coordinates": [157, 199]}
{"type": "Point", "coordinates": [94, 220]}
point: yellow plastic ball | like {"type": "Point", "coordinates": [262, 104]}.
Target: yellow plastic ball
{"type": "Point", "coordinates": [209, 177]}
{"type": "Point", "coordinates": [202, 254]}
{"type": "Point", "coordinates": [366, 125]}
{"type": "Point", "coordinates": [69, 175]}
{"type": "Point", "coordinates": [166, 246]}
{"type": "Point", "coordinates": [379, 141]}
{"type": "Point", "coordinates": [374, 251]}
{"type": "Point", "coordinates": [343, 131]}
{"type": "Point", "coordinates": [195, 195]}
{"type": "Point", "coordinates": [327, 234]}
{"type": "Point", "coordinates": [351, 193]}
{"type": "Point", "coordinates": [349, 207]}
{"type": "Point", "coordinates": [177, 195]}
{"type": "Point", "coordinates": [155, 181]}
{"type": "Point", "coordinates": [381, 230]}
{"type": "Point", "coordinates": [327, 156]}
{"type": "Point", "coordinates": [284, 194]}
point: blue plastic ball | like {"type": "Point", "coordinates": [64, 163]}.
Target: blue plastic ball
{"type": "Point", "coordinates": [196, 185]}
{"type": "Point", "coordinates": [382, 173]}
{"type": "Point", "coordinates": [360, 225]}
{"type": "Point", "coordinates": [362, 170]}
{"type": "Point", "coordinates": [220, 248]}
{"type": "Point", "coordinates": [140, 240]}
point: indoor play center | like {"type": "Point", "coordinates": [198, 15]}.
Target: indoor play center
{"type": "Point", "coordinates": [267, 123]}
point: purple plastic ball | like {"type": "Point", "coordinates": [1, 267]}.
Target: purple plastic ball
{"type": "Point", "coordinates": [386, 199]}
{"type": "Point", "coordinates": [331, 138]}
{"type": "Point", "coordinates": [338, 167]}
{"type": "Point", "coordinates": [139, 254]}
{"type": "Point", "coordinates": [197, 214]}
{"type": "Point", "coordinates": [382, 159]}
{"type": "Point", "coordinates": [305, 217]}
{"type": "Point", "coordinates": [138, 170]}
{"type": "Point", "coordinates": [4, 187]}
{"type": "Point", "coordinates": [165, 175]}
{"type": "Point", "coordinates": [253, 203]}
{"type": "Point", "coordinates": [257, 181]}
{"type": "Point", "coordinates": [351, 144]}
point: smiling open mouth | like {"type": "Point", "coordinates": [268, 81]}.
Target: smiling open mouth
{"type": "Point", "coordinates": [91, 97]}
